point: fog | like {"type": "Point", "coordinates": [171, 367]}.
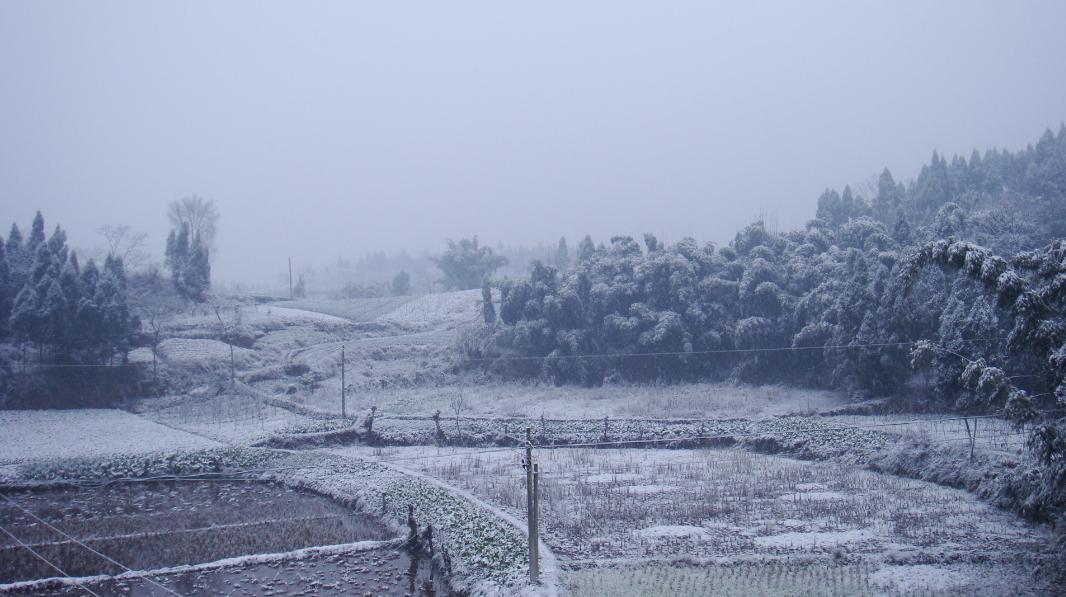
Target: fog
{"type": "Point", "coordinates": [325, 130]}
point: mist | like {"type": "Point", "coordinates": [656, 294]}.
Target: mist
{"type": "Point", "coordinates": [334, 129]}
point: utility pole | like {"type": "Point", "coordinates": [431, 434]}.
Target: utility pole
{"type": "Point", "coordinates": [290, 278]}
{"type": "Point", "coordinates": [531, 508]}
{"type": "Point", "coordinates": [343, 413]}
{"type": "Point", "coordinates": [232, 361]}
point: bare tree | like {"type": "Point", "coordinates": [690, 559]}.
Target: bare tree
{"type": "Point", "coordinates": [458, 403]}
{"type": "Point", "coordinates": [200, 215]}
{"type": "Point", "coordinates": [126, 243]}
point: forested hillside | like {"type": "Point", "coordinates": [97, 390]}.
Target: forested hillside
{"type": "Point", "coordinates": [824, 306]}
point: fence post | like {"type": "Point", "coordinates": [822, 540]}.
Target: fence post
{"type": "Point", "coordinates": [343, 413]}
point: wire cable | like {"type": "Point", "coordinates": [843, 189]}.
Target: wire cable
{"type": "Point", "coordinates": [75, 540]}
{"type": "Point", "coordinates": [46, 560]}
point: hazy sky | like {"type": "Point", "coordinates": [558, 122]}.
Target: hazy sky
{"type": "Point", "coordinates": [327, 129]}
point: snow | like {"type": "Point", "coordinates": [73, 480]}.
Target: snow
{"type": "Point", "coordinates": [441, 308]}
{"type": "Point", "coordinates": [611, 477]}
{"type": "Point", "coordinates": [200, 351]}
{"type": "Point", "coordinates": [289, 315]}
{"type": "Point", "coordinates": [651, 489]}
{"type": "Point", "coordinates": [923, 578]}
{"type": "Point", "coordinates": [814, 495]}
{"type": "Point", "coordinates": [673, 532]}
{"type": "Point", "coordinates": [40, 434]}
{"type": "Point", "coordinates": [809, 540]}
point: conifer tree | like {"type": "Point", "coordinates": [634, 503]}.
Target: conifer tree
{"type": "Point", "coordinates": [562, 255]}
{"type": "Point", "coordinates": [36, 237]}
{"type": "Point", "coordinates": [7, 291]}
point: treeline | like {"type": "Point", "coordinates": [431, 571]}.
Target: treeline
{"type": "Point", "coordinates": [58, 310]}
{"type": "Point", "coordinates": [825, 306]}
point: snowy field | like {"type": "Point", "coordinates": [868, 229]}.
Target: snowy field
{"type": "Point", "coordinates": [444, 308]}
{"type": "Point", "coordinates": [42, 434]}
{"type": "Point", "coordinates": [228, 419]}
{"type": "Point", "coordinates": [879, 533]}
{"type": "Point", "coordinates": [697, 400]}
{"type": "Point", "coordinates": [365, 309]}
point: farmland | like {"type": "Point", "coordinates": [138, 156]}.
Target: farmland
{"type": "Point", "coordinates": [702, 488]}
{"type": "Point", "coordinates": [744, 521]}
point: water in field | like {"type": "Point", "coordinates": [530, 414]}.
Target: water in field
{"type": "Point", "coordinates": [152, 525]}
{"type": "Point", "coordinates": [385, 572]}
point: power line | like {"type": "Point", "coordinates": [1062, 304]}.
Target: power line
{"type": "Point", "coordinates": [75, 540]}
{"type": "Point", "coordinates": [708, 352]}
{"type": "Point", "coordinates": [172, 532]}
{"type": "Point", "coordinates": [46, 560]}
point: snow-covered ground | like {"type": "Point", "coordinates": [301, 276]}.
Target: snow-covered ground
{"type": "Point", "coordinates": [201, 351]}
{"type": "Point", "coordinates": [444, 308]}
{"type": "Point", "coordinates": [696, 400]}
{"type": "Point", "coordinates": [41, 434]}
{"type": "Point", "coordinates": [633, 505]}
{"type": "Point", "coordinates": [228, 419]}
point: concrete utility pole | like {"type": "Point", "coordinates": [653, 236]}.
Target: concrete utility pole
{"type": "Point", "coordinates": [343, 412]}
{"type": "Point", "coordinates": [290, 278]}
{"type": "Point", "coordinates": [532, 475]}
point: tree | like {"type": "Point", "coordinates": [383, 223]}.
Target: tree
{"type": "Point", "coordinates": [36, 234]}
{"type": "Point", "coordinates": [189, 264]}
{"type": "Point", "coordinates": [586, 250]}
{"type": "Point", "coordinates": [300, 290]}
{"type": "Point", "coordinates": [465, 264]}
{"type": "Point", "coordinates": [198, 272]}
{"type": "Point", "coordinates": [126, 244]}
{"type": "Point", "coordinates": [199, 215]}
{"type": "Point", "coordinates": [488, 311]}
{"type": "Point", "coordinates": [401, 284]}
{"type": "Point", "coordinates": [7, 291]}
{"type": "Point", "coordinates": [562, 255]}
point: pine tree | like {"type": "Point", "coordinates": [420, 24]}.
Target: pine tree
{"type": "Point", "coordinates": [55, 319]}
{"type": "Point", "coordinates": [586, 250]}
{"type": "Point", "coordinates": [57, 245]}
{"type": "Point", "coordinates": [7, 291]}
{"type": "Point", "coordinates": [401, 284]}
{"type": "Point", "coordinates": [198, 272]}
{"type": "Point", "coordinates": [25, 320]}
{"type": "Point", "coordinates": [36, 237]}
{"type": "Point", "coordinates": [177, 258]}
{"type": "Point", "coordinates": [16, 258]}
{"type": "Point", "coordinates": [562, 255]}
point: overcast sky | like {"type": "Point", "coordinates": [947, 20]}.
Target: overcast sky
{"type": "Point", "coordinates": [327, 129]}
